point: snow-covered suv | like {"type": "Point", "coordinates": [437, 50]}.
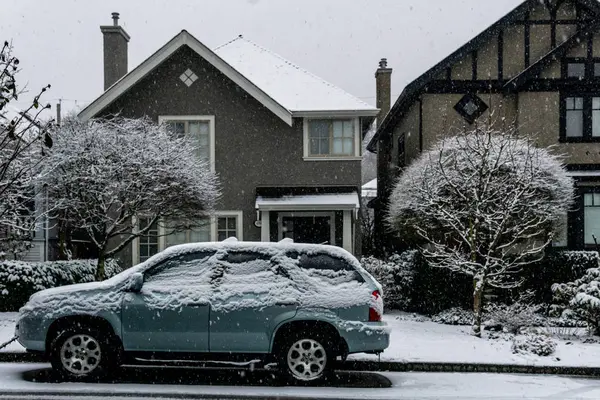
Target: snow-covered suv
{"type": "Point", "coordinates": [301, 306]}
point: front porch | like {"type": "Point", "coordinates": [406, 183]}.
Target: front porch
{"type": "Point", "coordinates": [321, 218]}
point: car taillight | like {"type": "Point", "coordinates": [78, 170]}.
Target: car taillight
{"type": "Point", "coordinates": [374, 315]}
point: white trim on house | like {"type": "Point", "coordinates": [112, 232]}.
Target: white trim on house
{"type": "Point", "coordinates": [314, 202]}
{"type": "Point", "coordinates": [357, 141]}
{"type": "Point", "coordinates": [336, 113]}
{"type": "Point", "coordinates": [594, 173]}
{"type": "Point", "coordinates": [209, 118]}
{"type": "Point", "coordinates": [135, 250]}
{"type": "Point", "coordinates": [307, 214]}
{"type": "Point", "coordinates": [146, 67]}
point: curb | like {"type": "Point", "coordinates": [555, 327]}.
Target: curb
{"type": "Point", "coordinates": [393, 366]}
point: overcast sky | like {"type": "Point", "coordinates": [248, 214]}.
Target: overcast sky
{"type": "Point", "coordinates": [59, 41]}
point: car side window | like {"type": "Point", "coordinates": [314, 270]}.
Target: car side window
{"type": "Point", "coordinates": [324, 263]}
{"type": "Point", "coordinates": [184, 270]}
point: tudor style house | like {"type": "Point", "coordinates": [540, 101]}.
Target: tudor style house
{"type": "Point", "coordinates": [539, 67]}
{"type": "Point", "coordinates": [285, 144]}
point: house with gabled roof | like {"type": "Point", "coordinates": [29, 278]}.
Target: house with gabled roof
{"type": "Point", "coordinates": [537, 67]}
{"type": "Point", "coordinates": [285, 143]}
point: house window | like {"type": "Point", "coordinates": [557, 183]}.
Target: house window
{"type": "Point", "coordinates": [200, 128]}
{"type": "Point", "coordinates": [200, 233]}
{"type": "Point", "coordinates": [471, 107]}
{"type": "Point", "coordinates": [226, 227]}
{"type": "Point", "coordinates": [574, 116]}
{"type": "Point", "coordinates": [580, 119]}
{"type": "Point", "coordinates": [148, 244]}
{"type": "Point", "coordinates": [331, 138]}
{"type": "Point", "coordinates": [596, 69]}
{"type": "Point", "coordinates": [576, 70]}
{"type": "Point", "coordinates": [591, 216]}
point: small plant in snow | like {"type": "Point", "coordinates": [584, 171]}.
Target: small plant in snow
{"type": "Point", "coordinates": [454, 316]}
{"type": "Point", "coordinates": [483, 203]}
{"type": "Point", "coordinates": [580, 299]}
{"type": "Point", "coordinates": [116, 179]}
{"type": "Point", "coordinates": [511, 318]}
{"type": "Point", "coordinates": [396, 275]}
{"type": "Point", "coordinates": [533, 341]}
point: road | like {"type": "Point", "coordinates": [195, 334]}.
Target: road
{"type": "Point", "coordinates": [35, 381]}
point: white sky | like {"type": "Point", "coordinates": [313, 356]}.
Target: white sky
{"type": "Point", "coordinates": [59, 41]}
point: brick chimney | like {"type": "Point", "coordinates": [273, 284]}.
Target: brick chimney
{"type": "Point", "coordinates": [115, 51]}
{"type": "Point", "coordinates": [383, 82]}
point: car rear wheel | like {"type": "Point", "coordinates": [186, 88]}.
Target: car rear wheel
{"type": "Point", "coordinates": [82, 353]}
{"type": "Point", "coordinates": [307, 358]}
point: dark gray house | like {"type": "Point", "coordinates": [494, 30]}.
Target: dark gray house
{"type": "Point", "coordinates": [285, 143]}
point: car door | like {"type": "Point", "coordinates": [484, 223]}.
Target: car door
{"type": "Point", "coordinates": [171, 312]}
{"type": "Point", "coordinates": [252, 296]}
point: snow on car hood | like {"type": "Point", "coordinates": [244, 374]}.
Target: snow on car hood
{"type": "Point", "coordinates": [254, 284]}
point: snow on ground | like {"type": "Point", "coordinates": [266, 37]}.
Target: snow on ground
{"type": "Point", "coordinates": [414, 340]}
{"type": "Point", "coordinates": [411, 385]}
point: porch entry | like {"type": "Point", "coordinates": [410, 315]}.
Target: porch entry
{"type": "Point", "coordinates": [321, 218]}
{"type": "Point", "coordinates": [307, 227]}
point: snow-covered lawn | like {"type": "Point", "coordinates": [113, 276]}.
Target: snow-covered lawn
{"type": "Point", "coordinates": [410, 385]}
{"type": "Point", "coordinates": [424, 341]}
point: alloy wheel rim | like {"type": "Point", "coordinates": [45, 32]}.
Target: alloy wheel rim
{"type": "Point", "coordinates": [80, 354]}
{"type": "Point", "coordinates": [307, 359]}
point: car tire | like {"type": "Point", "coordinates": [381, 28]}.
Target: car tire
{"type": "Point", "coordinates": [83, 353]}
{"type": "Point", "coordinates": [307, 358]}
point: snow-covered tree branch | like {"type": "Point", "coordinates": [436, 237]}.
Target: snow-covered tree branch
{"type": "Point", "coordinates": [107, 176]}
{"type": "Point", "coordinates": [23, 141]}
{"type": "Point", "coordinates": [484, 203]}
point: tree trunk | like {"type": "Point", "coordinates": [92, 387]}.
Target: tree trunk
{"type": "Point", "coordinates": [479, 286]}
{"type": "Point", "coordinates": [100, 272]}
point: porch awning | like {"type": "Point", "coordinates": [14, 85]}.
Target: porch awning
{"type": "Point", "coordinates": [310, 202]}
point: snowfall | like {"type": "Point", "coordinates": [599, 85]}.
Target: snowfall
{"type": "Point", "coordinates": [413, 339]}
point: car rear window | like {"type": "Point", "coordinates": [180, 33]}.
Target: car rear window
{"type": "Point", "coordinates": [325, 262]}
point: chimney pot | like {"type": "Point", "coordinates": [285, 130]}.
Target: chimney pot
{"type": "Point", "coordinates": [115, 17]}
{"type": "Point", "coordinates": [383, 63]}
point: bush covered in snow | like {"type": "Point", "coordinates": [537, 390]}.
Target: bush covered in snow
{"type": "Point", "coordinates": [454, 316]}
{"type": "Point", "coordinates": [579, 299]}
{"type": "Point", "coordinates": [396, 275]}
{"type": "Point", "coordinates": [556, 267]}
{"type": "Point", "coordinates": [512, 318]}
{"type": "Point", "coordinates": [19, 280]}
{"type": "Point", "coordinates": [533, 341]}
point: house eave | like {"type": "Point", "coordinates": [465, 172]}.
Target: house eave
{"type": "Point", "coordinates": [335, 113]}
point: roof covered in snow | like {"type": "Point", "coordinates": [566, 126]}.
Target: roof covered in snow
{"type": "Point", "coordinates": [291, 86]}
{"type": "Point", "coordinates": [281, 86]}
{"type": "Point", "coordinates": [369, 189]}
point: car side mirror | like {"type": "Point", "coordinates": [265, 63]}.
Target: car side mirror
{"type": "Point", "coordinates": [135, 283]}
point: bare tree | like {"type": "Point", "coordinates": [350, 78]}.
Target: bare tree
{"type": "Point", "coordinates": [484, 203]}
{"type": "Point", "coordinates": [23, 141]}
{"type": "Point", "coordinates": [107, 176]}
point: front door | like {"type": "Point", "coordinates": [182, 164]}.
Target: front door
{"type": "Point", "coordinates": [309, 229]}
{"type": "Point", "coordinates": [171, 312]}
{"type": "Point", "coordinates": [252, 296]}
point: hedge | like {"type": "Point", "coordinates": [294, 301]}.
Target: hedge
{"type": "Point", "coordinates": [19, 280]}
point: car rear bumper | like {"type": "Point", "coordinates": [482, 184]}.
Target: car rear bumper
{"type": "Point", "coordinates": [371, 337]}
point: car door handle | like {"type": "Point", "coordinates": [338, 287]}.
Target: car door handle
{"type": "Point", "coordinates": [197, 304]}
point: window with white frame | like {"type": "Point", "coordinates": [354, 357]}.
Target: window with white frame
{"type": "Point", "coordinates": [331, 138]}
{"type": "Point", "coordinates": [161, 235]}
{"type": "Point", "coordinates": [148, 243]}
{"type": "Point", "coordinates": [227, 226]}
{"type": "Point", "coordinates": [200, 233]}
{"type": "Point", "coordinates": [199, 128]}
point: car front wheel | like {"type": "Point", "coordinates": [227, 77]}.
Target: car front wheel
{"type": "Point", "coordinates": [82, 353]}
{"type": "Point", "coordinates": [307, 358]}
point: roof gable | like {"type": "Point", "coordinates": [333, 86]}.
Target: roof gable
{"type": "Point", "coordinates": [272, 81]}
{"type": "Point", "coordinates": [414, 89]}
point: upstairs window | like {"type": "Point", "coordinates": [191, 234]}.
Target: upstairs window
{"type": "Point", "coordinates": [580, 120]}
{"type": "Point", "coordinates": [199, 128]}
{"type": "Point", "coordinates": [330, 138]}
{"type": "Point", "coordinates": [576, 70]}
